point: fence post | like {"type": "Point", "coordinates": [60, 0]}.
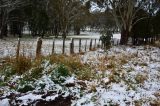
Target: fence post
{"type": "Point", "coordinates": [79, 45]}
{"type": "Point", "coordinates": [72, 46]}
{"type": "Point", "coordinates": [102, 44]}
{"type": "Point", "coordinates": [90, 46]}
{"type": "Point", "coordinates": [85, 46]}
{"type": "Point", "coordinates": [18, 49]}
{"type": "Point", "coordinates": [98, 45]}
{"type": "Point", "coordinates": [53, 45]}
{"type": "Point", "coordinates": [95, 43]}
{"type": "Point", "coordinates": [39, 46]}
{"type": "Point", "coordinates": [63, 48]}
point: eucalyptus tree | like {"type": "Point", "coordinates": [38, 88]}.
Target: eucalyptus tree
{"type": "Point", "coordinates": [124, 13]}
{"type": "Point", "coordinates": [66, 13]}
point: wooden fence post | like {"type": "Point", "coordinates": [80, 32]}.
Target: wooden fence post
{"type": "Point", "coordinates": [63, 48]}
{"type": "Point", "coordinates": [95, 43]}
{"type": "Point", "coordinates": [80, 45]}
{"type": "Point", "coordinates": [53, 45]}
{"type": "Point", "coordinates": [102, 44]}
{"type": "Point", "coordinates": [18, 49]}
{"type": "Point", "coordinates": [72, 46]}
{"type": "Point", "coordinates": [85, 46]}
{"type": "Point", "coordinates": [98, 45]}
{"type": "Point", "coordinates": [90, 46]}
{"type": "Point", "coordinates": [39, 46]}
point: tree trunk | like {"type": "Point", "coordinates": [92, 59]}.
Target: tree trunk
{"type": "Point", "coordinates": [64, 34]}
{"type": "Point", "coordinates": [124, 36]}
{"type": "Point", "coordinates": [77, 30]}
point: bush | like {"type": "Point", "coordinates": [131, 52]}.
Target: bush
{"type": "Point", "coordinates": [58, 76]}
{"type": "Point", "coordinates": [106, 38]}
{"type": "Point", "coordinates": [25, 89]}
{"type": "Point", "coordinates": [33, 74]}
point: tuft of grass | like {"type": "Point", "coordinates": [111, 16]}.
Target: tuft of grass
{"type": "Point", "coordinates": [84, 74]}
{"type": "Point", "coordinates": [72, 63]}
{"type": "Point", "coordinates": [21, 65]}
{"type": "Point", "coordinates": [141, 78]}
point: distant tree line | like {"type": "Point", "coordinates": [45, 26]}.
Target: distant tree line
{"type": "Point", "coordinates": [132, 18]}
{"type": "Point", "coordinates": [42, 17]}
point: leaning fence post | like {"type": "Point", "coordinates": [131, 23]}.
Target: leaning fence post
{"type": "Point", "coordinates": [90, 47]}
{"type": "Point", "coordinates": [39, 46]}
{"type": "Point", "coordinates": [85, 46]}
{"type": "Point", "coordinates": [53, 45]}
{"type": "Point", "coordinates": [63, 48]}
{"type": "Point", "coordinates": [18, 49]}
{"type": "Point", "coordinates": [79, 45]}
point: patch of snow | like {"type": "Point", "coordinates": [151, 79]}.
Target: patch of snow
{"type": "Point", "coordinates": [4, 102]}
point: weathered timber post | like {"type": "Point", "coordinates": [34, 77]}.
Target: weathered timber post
{"type": "Point", "coordinates": [102, 44]}
{"type": "Point", "coordinates": [95, 43]}
{"type": "Point", "coordinates": [72, 46]}
{"type": "Point", "coordinates": [53, 45]}
{"type": "Point", "coordinates": [63, 48]}
{"type": "Point", "coordinates": [39, 46]}
{"type": "Point", "coordinates": [90, 46]}
{"type": "Point", "coordinates": [98, 45]}
{"type": "Point", "coordinates": [85, 46]}
{"type": "Point", "coordinates": [80, 45]}
{"type": "Point", "coordinates": [18, 49]}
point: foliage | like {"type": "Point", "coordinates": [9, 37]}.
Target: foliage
{"type": "Point", "coordinates": [25, 88]}
{"type": "Point", "coordinates": [106, 38]}
{"type": "Point", "coordinates": [59, 74]}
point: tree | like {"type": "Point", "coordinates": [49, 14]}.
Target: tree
{"type": "Point", "coordinates": [124, 13]}
{"type": "Point", "coordinates": [6, 6]}
{"type": "Point", "coordinates": [156, 24]}
{"type": "Point", "coordinates": [37, 17]}
{"type": "Point", "coordinates": [65, 13]}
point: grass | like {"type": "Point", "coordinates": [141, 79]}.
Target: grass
{"type": "Point", "coordinates": [32, 68]}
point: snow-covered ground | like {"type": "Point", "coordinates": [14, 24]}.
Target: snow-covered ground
{"type": "Point", "coordinates": [28, 46]}
{"type": "Point", "coordinates": [122, 76]}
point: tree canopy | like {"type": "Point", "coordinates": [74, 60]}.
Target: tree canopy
{"type": "Point", "coordinates": [58, 17]}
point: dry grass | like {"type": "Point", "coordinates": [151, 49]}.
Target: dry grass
{"type": "Point", "coordinates": [141, 78]}
{"type": "Point", "coordinates": [72, 63]}
{"type": "Point", "coordinates": [20, 65]}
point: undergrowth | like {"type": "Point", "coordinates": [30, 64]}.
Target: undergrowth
{"type": "Point", "coordinates": [32, 69]}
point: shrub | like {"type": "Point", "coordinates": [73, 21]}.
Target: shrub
{"type": "Point", "coordinates": [106, 38]}
{"type": "Point", "coordinates": [58, 76]}
{"type": "Point", "coordinates": [25, 88]}
{"type": "Point", "coordinates": [33, 74]}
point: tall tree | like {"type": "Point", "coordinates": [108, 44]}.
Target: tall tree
{"type": "Point", "coordinates": [38, 19]}
{"type": "Point", "coordinates": [66, 13]}
{"type": "Point", "coordinates": [124, 13]}
{"type": "Point", "coordinates": [6, 6]}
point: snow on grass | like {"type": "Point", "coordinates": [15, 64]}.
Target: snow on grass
{"type": "Point", "coordinates": [4, 102]}
{"type": "Point", "coordinates": [121, 76]}
{"type": "Point", "coordinates": [29, 98]}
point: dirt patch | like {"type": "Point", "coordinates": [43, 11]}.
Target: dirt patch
{"type": "Point", "coordinates": [59, 101]}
